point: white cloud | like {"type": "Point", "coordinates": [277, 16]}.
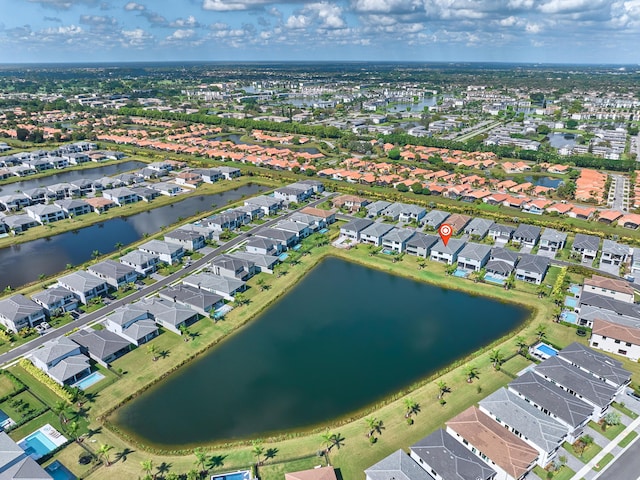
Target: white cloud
{"type": "Point", "coordinates": [131, 6]}
{"type": "Point", "coordinates": [570, 6]}
{"type": "Point", "coordinates": [97, 20]}
{"type": "Point", "coordinates": [63, 4]}
{"type": "Point", "coordinates": [234, 5]}
{"type": "Point", "coordinates": [182, 34]}
{"type": "Point", "coordinates": [533, 28]}
{"type": "Point", "coordinates": [65, 30]}
{"type": "Point", "coordinates": [189, 22]}
{"type": "Point", "coordinates": [136, 38]}
{"type": "Point", "coordinates": [298, 22]}
{"type": "Point", "coordinates": [387, 6]}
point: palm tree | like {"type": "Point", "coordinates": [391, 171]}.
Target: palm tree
{"type": "Point", "coordinates": [72, 429]}
{"type": "Point", "coordinates": [330, 440]}
{"type": "Point", "coordinates": [118, 246]}
{"type": "Point", "coordinates": [541, 331]}
{"type": "Point", "coordinates": [258, 450]}
{"type": "Point", "coordinates": [147, 467]}
{"type": "Point", "coordinates": [374, 425]}
{"type": "Point", "coordinates": [521, 343]}
{"type": "Point", "coordinates": [470, 372]}
{"type": "Point", "coordinates": [239, 299]}
{"type": "Point", "coordinates": [261, 283]}
{"type": "Point", "coordinates": [95, 254]}
{"type": "Point", "coordinates": [412, 407]}
{"type": "Point", "coordinates": [496, 358]}
{"type": "Point", "coordinates": [61, 408]}
{"type": "Point", "coordinates": [184, 331]}
{"type": "Point", "coordinates": [153, 351]}
{"type": "Point", "coordinates": [442, 389]}
{"type": "Point", "coordinates": [103, 452]}
{"type": "Point", "coordinates": [201, 460]}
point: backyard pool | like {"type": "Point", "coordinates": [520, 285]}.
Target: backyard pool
{"type": "Point", "coordinates": [324, 230]}
{"type": "Point", "coordinates": [222, 311]}
{"type": "Point", "coordinates": [570, 317]}
{"type": "Point", "coordinates": [41, 442]}
{"type": "Point", "coordinates": [461, 273]}
{"type": "Point", "coordinates": [544, 351]}
{"type": "Point", "coordinates": [571, 302]}
{"type": "Point", "coordinates": [489, 278]}
{"type": "Point", "coordinates": [575, 289]}
{"type": "Point", "coordinates": [283, 256]}
{"type": "Point", "coordinates": [89, 380]}
{"type": "Point", "coordinates": [59, 472]}
{"type": "Point", "coordinates": [240, 475]}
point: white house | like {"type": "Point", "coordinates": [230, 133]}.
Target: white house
{"type": "Point", "coordinates": [167, 252]}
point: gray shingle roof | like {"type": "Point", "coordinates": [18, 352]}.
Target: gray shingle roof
{"type": "Point", "coordinates": [595, 362]}
{"type": "Point", "coordinates": [100, 343]}
{"type": "Point", "coordinates": [399, 235]}
{"type": "Point", "coordinates": [504, 254]}
{"type": "Point", "coordinates": [55, 349]}
{"type": "Point", "coordinates": [49, 296]}
{"type": "Point", "coordinates": [614, 248]}
{"type": "Point", "coordinates": [212, 282]}
{"type": "Point", "coordinates": [552, 398]}
{"type": "Point", "coordinates": [81, 281]}
{"type": "Point", "coordinates": [138, 257]}
{"type": "Point", "coordinates": [552, 235]}
{"type": "Point", "coordinates": [266, 261]}
{"type": "Point", "coordinates": [189, 295]}
{"type": "Point", "coordinates": [397, 466]}
{"type": "Point", "coordinates": [435, 217]}
{"type": "Point", "coordinates": [478, 226]}
{"type": "Point", "coordinates": [377, 229]}
{"type": "Point", "coordinates": [16, 464]}
{"type": "Point", "coordinates": [582, 383]}
{"type": "Point", "coordinates": [586, 242]}
{"type": "Point", "coordinates": [422, 240]}
{"type": "Point", "coordinates": [160, 247]}
{"type": "Point", "coordinates": [450, 459]}
{"type": "Point", "coordinates": [454, 245]}
{"type": "Point", "coordinates": [498, 228]}
{"type": "Point", "coordinates": [18, 306]}
{"type": "Point", "coordinates": [539, 428]}
{"type": "Point", "coordinates": [475, 251]}
{"type": "Point", "coordinates": [111, 269]}
{"type": "Point", "coordinates": [533, 263]}
{"type": "Point", "coordinates": [608, 303]}
{"type": "Point", "coordinates": [356, 225]}
{"type": "Point", "coordinates": [527, 232]}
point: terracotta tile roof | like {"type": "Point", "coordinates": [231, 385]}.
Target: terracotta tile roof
{"type": "Point", "coordinates": [609, 284]}
{"type": "Point", "coordinates": [610, 215]}
{"type": "Point", "coordinates": [506, 450]}
{"type": "Point", "coordinates": [616, 331]}
{"type": "Point", "coordinates": [323, 473]}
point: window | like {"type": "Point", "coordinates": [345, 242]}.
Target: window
{"type": "Point", "coordinates": [595, 344]}
{"type": "Point", "coordinates": [616, 341]}
{"type": "Point", "coordinates": [622, 352]}
{"type": "Point", "coordinates": [628, 344]}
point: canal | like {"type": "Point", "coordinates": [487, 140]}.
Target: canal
{"type": "Point", "coordinates": [71, 175]}
{"type": "Point", "coordinates": [24, 263]}
{"type": "Point", "coordinates": [325, 350]}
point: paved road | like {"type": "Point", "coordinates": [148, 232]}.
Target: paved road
{"type": "Point", "coordinates": [625, 467]}
{"type": "Point", "coordinates": [473, 133]}
{"type": "Point", "coordinates": [17, 352]}
{"type": "Point", "coordinates": [618, 193]}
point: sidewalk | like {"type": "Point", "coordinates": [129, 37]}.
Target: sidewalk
{"type": "Point", "coordinates": [583, 472]}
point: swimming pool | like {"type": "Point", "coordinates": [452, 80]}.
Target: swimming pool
{"type": "Point", "coordinates": [489, 278]}
{"type": "Point", "coordinates": [42, 441]}
{"type": "Point", "coordinates": [544, 351]}
{"type": "Point", "coordinates": [222, 311]}
{"type": "Point", "coordinates": [575, 289]}
{"type": "Point", "coordinates": [283, 256]}
{"type": "Point", "coordinates": [571, 302]}
{"type": "Point", "coordinates": [297, 247]}
{"type": "Point", "coordinates": [570, 317]}
{"type": "Point", "coordinates": [89, 380]}
{"type": "Point", "coordinates": [324, 230]}
{"type": "Point", "coordinates": [461, 273]}
{"type": "Point", "coordinates": [239, 475]}
{"type": "Point", "coordinates": [386, 251]}
{"type": "Point", "coordinates": [59, 472]}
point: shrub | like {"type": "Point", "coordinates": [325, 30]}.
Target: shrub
{"type": "Point", "coordinates": [46, 380]}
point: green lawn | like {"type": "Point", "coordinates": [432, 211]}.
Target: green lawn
{"type": "Point", "coordinates": [611, 432]}
{"type": "Point", "coordinates": [38, 389]}
{"type": "Point", "coordinates": [589, 452]}
{"type": "Point", "coordinates": [565, 473]}
{"type": "Point", "coordinates": [21, 406]}
{"type": "Point", "coordinates": [7, 387]}
{"type": "Point", "coordinates": [622, 408]}
{"type": "Point", "coordinates": [628, 439]}
{"type": "Point", "coordinates": [604, 462]}
{"type": "Point", "coordinates": [276, 471]}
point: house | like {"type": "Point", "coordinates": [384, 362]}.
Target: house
{"type": "Point", "coordinates": [532, 268]}
{"type": "Point", "coordinates": [592, 306]}
{"type": "Point", "coordinates": [457, 222]}
{"type": "Point", "coordinates": [292, 194]}
{"type": "Point", "coordinates": [614, 288]}
{"type": "Point", "coordinates": [268, 205]}
{"type": "Point", "coordinates": [146, 194]}
{"type": "Point", "coordinates": [447, 254]}
{"type": "Point", "coordinates": [233, 267]}
{"type": "Point", "coordinates": [396, 239]}
{"type": "Point", "coordinates": [354, 228]}
{"type": "Point", "coordinates": [15, 201]}
{"type": "Point", "coordinates": [314, 223]}
{"type": "Point", "coordinates": [121, 196]}
{"type": "Point", "coordinates": [18, 312]}
{"type": "Point", "coordinates": [187, 239]}
{"type": "Point", "coordinates": [62, 360]}
{"type": "Point", "coordinates": [526, 235]}
{"type": "Point", "coordinates": [114, 273]}
{"type": "Point", "coordinates": [229, 173]}
{"type": "Point", "coordinates": [434, 219]}
{"type": "Point", "coordinates": [318, 473]}
{"type": "Point", "coordinates": [16, 464]}
{"type": "Point", "coordinates": [586, 246]}
{"type": "Point", "coordinates": [73, 208]}
{"type": "Point", "coordinates": [208, 175]}
{"type": "Point", "coordinates": [552, 241]}
{"type": "Point", "coordinates": [227, 287]}
{"type": "Point", "coordinates": [420, 244]}
{"type": "Point", "coordinates": [351, 202]}
{"type": "Point", "coordinates": [511, 457]}
{"type": "Point", "coordinates": [55, 299]}
{"type": "Point", "coordinates": [502, 262]}
{"type": "Point", "coordinates": [552, 400]}
{"type": "Point", "coordinates": [328, 216]}
{"type": "Point", "coordinates": [473, 256]}
{"type": "Point", "coordinates": [579, 383]}
{"type": "Point", "coordinates": [102, 346]}
{"type": "Point", "coordinates": [613, 253]}
{"type": "Point", "coordinates": [166, 188]}
{"type": "Point", "coordinates": [411, 213]}
{"type": "Point", "coordinates": [316, 185]}
{"type": "Point", "coordinates": [198, 300]}
{"type": "Point", "coordinates": [84, 285]}
{"type": "Point", "coordinates": [229, 220]}
{"type": "Point", "coordinates": [263, 263]}
{"type": "Point", "coordinates": [373, 233]}
{"type": "Point", "coordinates": [299, 229]}
{"type": "Point", "coordinates": [169, 314]}
{"type": "Point", "coordinates": [142, 262]}
{"type": "Point", "coordinates": [284, 238]}
{"type": "Point", "coordinates": [618, 336]}
{"type": "Point", "coordinates": [601, 366]}
{"type": "Point", "coordinates": [167, 252]}
{"type": "Point", "coordinates": [45, 213]}
{"type": "Point", "coordinates": [397, 466]}
{"type": "Point", "coordinates": [100, 204]}
{"type": "Point", "coordinates": [133, 323]}
{"type": "Point", "coordinates": [19, 223]}
{"type": "Point", "coordinates": [528, 423]}
{"type": "Point", "coordinates": [444, 458]}
{"type": "Point", "coordinates": [374, 209]}
{"type": "Point", "coordinates": [263, 246]}
{"type": "Point", "coordinates": [478, 227]}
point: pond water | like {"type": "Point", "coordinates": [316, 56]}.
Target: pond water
{"type": "Point", "coordinates": [323, 351]}
{"type": "Point", "coordinates": [23, 263]}
{"type": "Point", "coordinates": [559, 140]}
{"type": "Point", "coordinates": [69, 176]}
{"type": "Point", "coordinates": [415, 107]}
{"type": "Point", "coordinates": [550, 182]}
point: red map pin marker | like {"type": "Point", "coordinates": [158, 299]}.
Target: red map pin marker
{"type": "Point", "coordinates": [445, 232]}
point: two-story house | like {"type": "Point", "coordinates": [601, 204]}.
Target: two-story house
{"type": "Point", "coordinates": [62, 360]}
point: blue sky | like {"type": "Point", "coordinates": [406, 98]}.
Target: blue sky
{"type": "Point", "coordinates": [557, 31]}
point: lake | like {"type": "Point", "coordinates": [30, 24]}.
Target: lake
{"type": "Point", "coordinates": [559, 140]}
{"type": "Point", "coordinates": [69, 176]}
{"type": "Point", "coordinates": [325, 350]}
{"type": "Point", "coordinates": [23, 263]}
{"type": "Point", "coordinates": [550, 182]}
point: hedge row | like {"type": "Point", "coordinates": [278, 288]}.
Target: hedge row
{"type": "Point", "coordinates": [47, 380]}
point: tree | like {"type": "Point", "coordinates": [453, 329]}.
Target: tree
{"type": "Point", "coordinates": [103, 453]}
{"type": "Point", "coordinates": [496, 357]}
{"type": "Point", "coordinates": [471, 372]}
{"type": "Point", "coordinates": [258, 450]}
{"type": "Point", "coordinates": [442, 389]}
{"type": "Point", "coordinates": [184, 331]}
{"type": "Point", "coordinates": [72, 429]}
{"type": "Point", "coordinates": [543, 130]}
{"type": "Point", "coordinates": [401, 187]}
{"type": "Point", "coordinates": [330, 440]}
{"type": "Point", "coordinates": [95, 254]}
{"type": "Point", "coordinates": [201, 460]}
{"type": "Point", "coordinates": [416, 188]}
{"type": "Point", "coordinates": [374, 425]}
{"type": "Point", "coordinates": [261, 284]}
{"type": "Point", "coordinates": [239, 299]}
{"type": "Point", "coordinates": [411, 406]}
{"type": "Point", "coordinates": [61, 408]}
{"type": "Point", "coordinates": [153, 351]}
{"type": "Point", "coordinates": [394, 154]}
{"type": "Point", "coordinates": [541, 331]}
{"type": "Point", "coordinates": [118, 246]}
{"type": "Point", "coordinates": [521, 343]}
{"type": "Point", "coordinates": [611, 419]}
{"type": "Point", "coordinates": [147, 467]}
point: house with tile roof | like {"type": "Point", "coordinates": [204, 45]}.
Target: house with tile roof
{"type": "Point", "coordinates": [102, 346]}
{"type": "Point", "coordinates": [62, 360]}
{"type": "Point", "coordinates": [84, 285]}
{"type": "Point", "coordinates": [474, 256]}
{"type": "Point", "coordinates": [586, 246]}
{"type": "Point", "coordinates": [619, 336]}
{"type": "Point", "coordinates": [614, 288]}
{"type": "Point", "coordinates": [511, 457]}
{"type": "Point", "coordinates": [18, 312]}
{"type": "Point", "coordinates": [420, 244]}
